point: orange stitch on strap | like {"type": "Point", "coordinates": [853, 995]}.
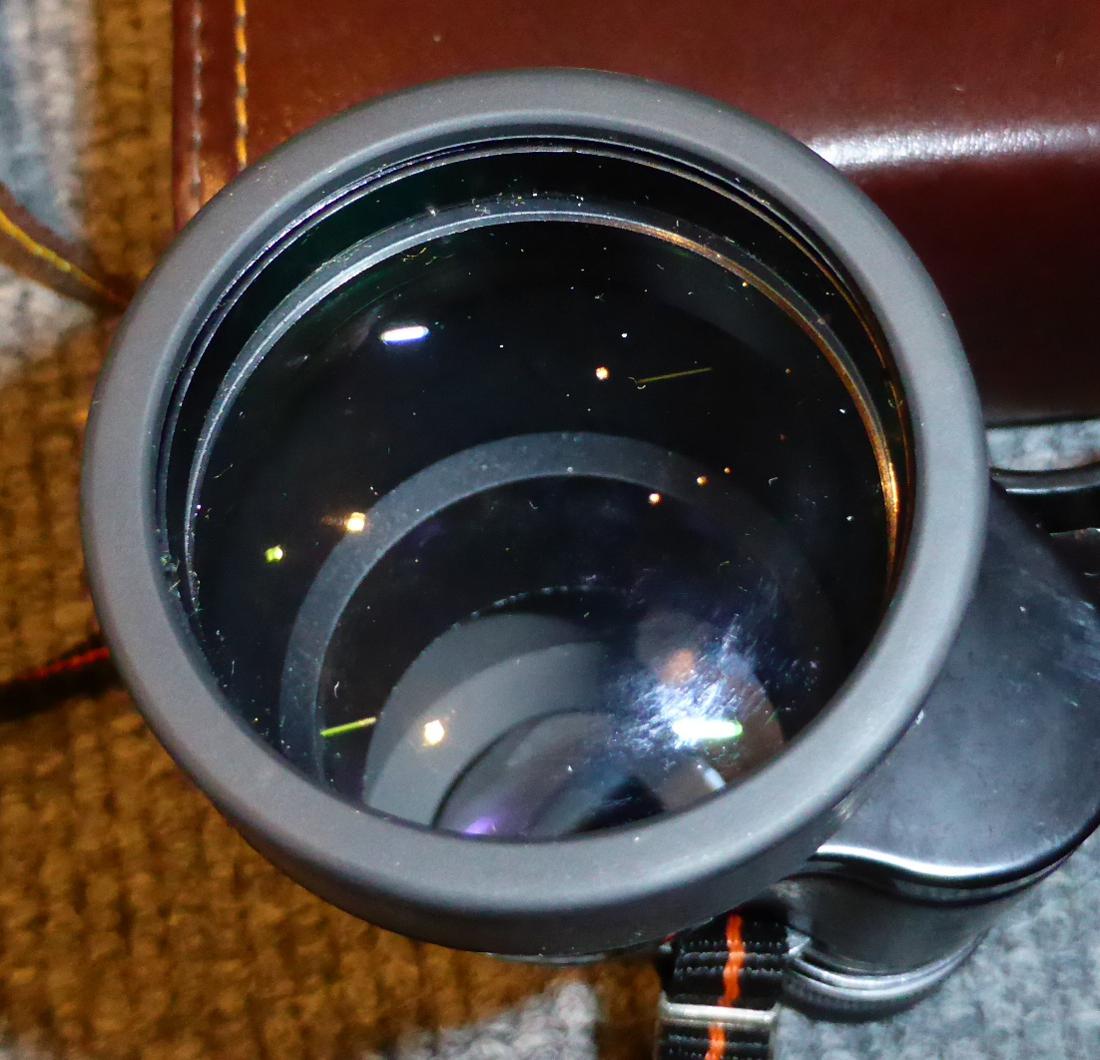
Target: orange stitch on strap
{"type": "Point", "coordinates": [735, 963]}
{"type": "Point", "coordinates": [731, 980]}
{"type": "Point", "coordinates": [717, 1042]}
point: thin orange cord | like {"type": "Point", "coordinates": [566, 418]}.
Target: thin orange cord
{"type": "Point", "coordinates": [22, 238]}
{"type": "Point", "coordinates": [65, 665]}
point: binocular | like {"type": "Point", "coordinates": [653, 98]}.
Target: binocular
{"type": "Point", "coordinates": [547, 510]}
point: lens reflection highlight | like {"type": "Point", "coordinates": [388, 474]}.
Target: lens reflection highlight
{"type": "Point", "coordinates": [402, 336]}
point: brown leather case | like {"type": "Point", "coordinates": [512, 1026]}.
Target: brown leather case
{"type": "Point", "coordinates": [975, 124]}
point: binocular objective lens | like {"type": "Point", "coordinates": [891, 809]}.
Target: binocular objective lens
{"type": "Point", "coordinates": [532, 527]}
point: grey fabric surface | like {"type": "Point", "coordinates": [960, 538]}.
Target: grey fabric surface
{"type": "Point", "coordinates": [1031, 990]}
{"type": "Point", "coordinates": [1045, 445]}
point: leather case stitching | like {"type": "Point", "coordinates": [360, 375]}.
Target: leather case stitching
{"type": "Point", "coordinates": [197, 98]}
{"type": "Point", "coordinates": [240, 40]}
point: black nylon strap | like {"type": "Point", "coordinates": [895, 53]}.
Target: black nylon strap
{"type": "Point", "coordinates": [736, 961]}
{"type": "Point", "coordinates": [697, 1044]}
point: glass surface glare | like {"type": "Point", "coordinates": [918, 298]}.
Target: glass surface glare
{"type": "Point", "coordinates": [535, 528]}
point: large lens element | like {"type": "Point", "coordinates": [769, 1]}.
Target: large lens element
{"type": "Point", "coordinates": [617, 638]}
{"type": "Point", "coordinates": [537, 514]}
